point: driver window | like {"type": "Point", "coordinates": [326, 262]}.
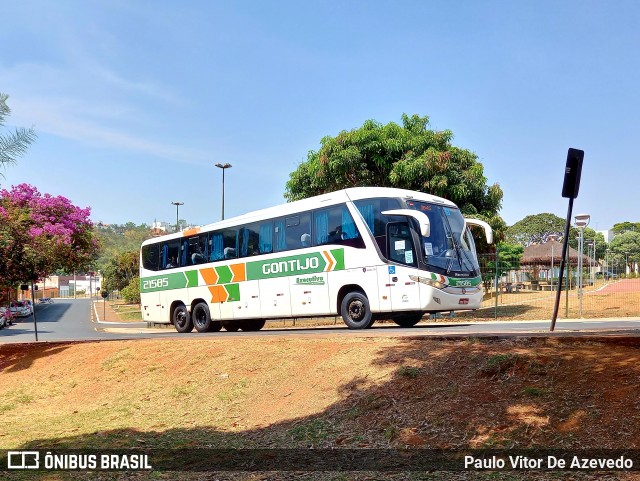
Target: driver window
{"type": "Point", "coordinates": [400, 246]}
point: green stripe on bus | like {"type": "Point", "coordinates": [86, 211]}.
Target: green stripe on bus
{"type": "Point", "coordinates": [234, 292]}
{"type": "Point", "coordinates": [338, 255]}
{"type": "Point", "coordinates": [224, 274]}
{"type": "Point", "coordinates": [293, 265]}
{"type": "Point", "coordinates": [192, 278]}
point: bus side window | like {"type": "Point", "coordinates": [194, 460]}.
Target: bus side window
{"type": "Point", "coordinates": [298, 229]}
{"type": "Point", "coordinates": [151, 257]}
{"type": "Point", "coordinates": [216, 246]}
{"type": "Point", "coordinates": [335, 225]}
{"type": "Point", "coordinates": [171, 252]}
{"type": "Point", "coordinates": [230, 243]}
{"type": "Point", "coordinates": [249, 240]}
{"type": "Point", "coordinates": [196, 253]}
{"type": "Point", "coordinates": [265, 237]}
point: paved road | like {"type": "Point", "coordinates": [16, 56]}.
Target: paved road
{"type": "Point", "coordinates": [69, 319]}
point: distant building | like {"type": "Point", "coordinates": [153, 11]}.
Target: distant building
{"type": "Point", "coordinates": [608, 235]}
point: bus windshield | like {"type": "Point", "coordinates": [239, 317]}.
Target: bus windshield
{"type": "Point", "coordinates": [449, 248]}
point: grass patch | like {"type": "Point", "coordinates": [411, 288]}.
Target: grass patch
{"type": "Point", "coordinates": [409, 371]}
{"type": "Point", "coordinates": [500, 364]}
{"type": "Point", "coordinates": [15, 398]}
{"type": "Point", "coordinates": [235, 392]}
{"type": "Point", "coordinates": [312, 432]}
{"type": "Point", "coordinates": [116, 358]}
{"type": "Point", "coordinates": [532, 391]}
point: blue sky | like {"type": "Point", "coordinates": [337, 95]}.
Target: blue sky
{"type": "Point", "coordinates": [134, 102]}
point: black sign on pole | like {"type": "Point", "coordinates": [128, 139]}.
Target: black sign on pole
{"type": "Point", "coordinates": [570, 189]}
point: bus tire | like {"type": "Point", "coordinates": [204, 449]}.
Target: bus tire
{"type": "Point", "coordinates": [408, 320]}
{"type": "Point", "coordinates": [355, 311]}
{"type": "Point", "coordinates": [230, 326]}
{"type": "Point", "coordinates": [253, 324]}
{"type": "Point", "coordinates": [182, 319]}
{"type": "Point", "coordinates": [201, 317]}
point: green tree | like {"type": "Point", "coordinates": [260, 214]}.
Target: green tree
{"type": "Point", "coordinates": [626, 248]}
{"type": "Point", "coordinates": [131, 293]}
{"type": "Point", "coordinates": [121, 270]}
{"type": "Point", "coordinates": [536, 229]}
{"type": "Point", "coordinates": [591, 235]}
{"type": "Point", "coordinates": [409, 156]}
{"type": "Point", "coordinates": [626, 226]}
{"type": "Point", "coordinates": [15, 144]}
{"type": "Point", "coordinates": [508, 257]}
{"type": "Point", "coordinates": [116, 239]}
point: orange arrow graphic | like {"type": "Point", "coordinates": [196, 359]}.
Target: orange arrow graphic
{"type": "Point", "coordinates": [329, 259]}
{"type": "Point", "coordinates": [209, 275]}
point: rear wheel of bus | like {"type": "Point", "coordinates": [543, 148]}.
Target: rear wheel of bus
{"type": "Point", "coordinates": [355, 310]}
{"type": "Point", "coordinates": [202, 319]}
{"type": "Point", "coordinates": [181, 319]}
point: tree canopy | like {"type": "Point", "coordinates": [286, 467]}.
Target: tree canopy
{"type": "Point", "coordinates": [116, 239]}
{"type": "Point", "coordinates": [537, 229]}
{"type": "Point", "coordinates": [121, 270]}
{"type": "Point", "coordinates": [15, 144]}
{"type": "Point", "coordinates": [409, 156]}
{"type": "Point", "coordinates": [626, 226]}
{"type": "Point", "coordinates": [40, 234]}
{"type": "Point", "coordinates": [626, 247]}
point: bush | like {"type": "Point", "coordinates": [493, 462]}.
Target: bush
{"type": "Point", "coordinates": [131, 293]}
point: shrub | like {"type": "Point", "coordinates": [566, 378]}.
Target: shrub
{"type": "Point", "coordinates": [131, 293]}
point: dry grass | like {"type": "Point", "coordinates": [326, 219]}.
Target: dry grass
{"type": "Point", "coordinates": [331, 392]}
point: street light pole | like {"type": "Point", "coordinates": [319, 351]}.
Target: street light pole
{"type": "Point", "coordinates": [223, 167]}
{"type": "Point", "coordinates": [552, 238]}
{"type": "Point", "coordinates": [177, 204]}
{"type": "Point", "coordinates": [582, 221]}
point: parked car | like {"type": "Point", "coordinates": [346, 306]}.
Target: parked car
{"type": "Point", "coordinates": [6, 318]}
{"type": "Point", "coordinates": [21, 308]}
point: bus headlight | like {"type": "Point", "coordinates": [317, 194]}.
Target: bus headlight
{"type": "Point", "coordinates": [428, 281]}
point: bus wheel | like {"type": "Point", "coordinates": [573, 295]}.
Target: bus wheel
{"type": "Point", "coordinates": [253, 324]}
{"type": "Point", "coordinates": [201, 317]}
{"type": "Point", "coordinates": [408, 320]}
{"type": "Point", "coordinates": [182, 319]}
{"type": "Point", "coordinates": [355, 311]}
{"type": "Point", "coordinates": [230, 326]}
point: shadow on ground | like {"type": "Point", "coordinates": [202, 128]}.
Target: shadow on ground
{"type": "Point", "coordinates": [444, 394]}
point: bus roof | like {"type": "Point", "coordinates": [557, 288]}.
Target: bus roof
{"type": "Point", "coordinates": [331, 198]}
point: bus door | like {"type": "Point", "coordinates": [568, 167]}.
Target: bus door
{"type": "Point", "coordinates": [404, 293]}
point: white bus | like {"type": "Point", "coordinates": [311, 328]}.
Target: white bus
{"type": "Point", "coordinates": [363, 253]}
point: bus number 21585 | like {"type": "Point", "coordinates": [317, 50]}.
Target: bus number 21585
{"type": "Point", "coordinates": [155, 283]}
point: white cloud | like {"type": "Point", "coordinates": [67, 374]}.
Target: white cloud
{"type": "Point", "coordinates": [95, 106]}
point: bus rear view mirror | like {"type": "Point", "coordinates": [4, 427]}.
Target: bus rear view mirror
{"type": "Point", "coordinates": [488, 232]}
{"type": "Point", "coordinates": [420, 217]}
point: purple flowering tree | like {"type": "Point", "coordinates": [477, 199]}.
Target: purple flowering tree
{"type": "Point", "coordinates": [40, 234]}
